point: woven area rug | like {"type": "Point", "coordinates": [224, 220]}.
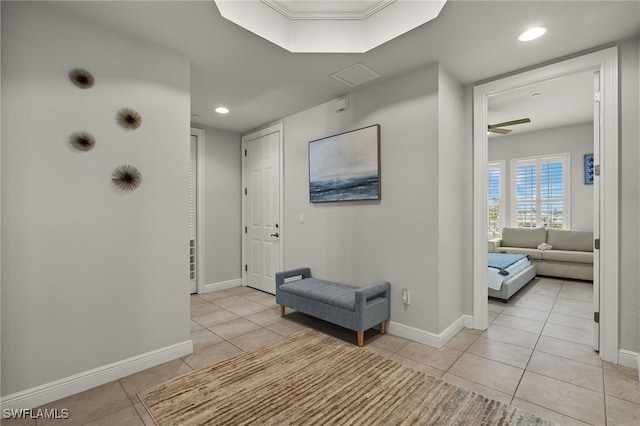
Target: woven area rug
{"type": "Point", "coordinates": [310, 378]}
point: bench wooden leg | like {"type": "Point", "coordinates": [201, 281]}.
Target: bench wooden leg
{"type": "Point", "coordinates": [281, 310]}
{"type": "Point", "coordinates": [382, 326]}
{"type": "Point", "coordinates": [360, 338]}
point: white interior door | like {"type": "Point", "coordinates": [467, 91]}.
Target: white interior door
{"type": "Point", "coordinates": [262, 211]}
{"type": "Point", "coordinates": [596, 208]}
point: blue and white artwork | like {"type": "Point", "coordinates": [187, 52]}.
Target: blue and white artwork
{"type": "Point", "coordinates": [588, 169]}
{"type": "Point", "coordinates": [345, 167]}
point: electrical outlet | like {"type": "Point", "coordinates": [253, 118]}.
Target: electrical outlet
{"type": "Point", "coordinates": [405, 296]}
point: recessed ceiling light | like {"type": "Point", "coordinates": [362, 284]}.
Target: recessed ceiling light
{"type": "Point", "coordinates": [222, 110]}
{"type": "Point", "coordinates": [532, 33]}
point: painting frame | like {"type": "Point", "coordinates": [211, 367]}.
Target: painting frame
{"type": "Point", "coordinates": [588, 169]}
{"type": "Point", "coordinates": [345, 166]}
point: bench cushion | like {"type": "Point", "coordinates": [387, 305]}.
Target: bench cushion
{"type": "Point", "coordinates": [340, 295]}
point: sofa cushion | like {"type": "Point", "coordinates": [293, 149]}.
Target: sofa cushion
{"type": "Point", "coordinates": [340, 295]}
{"type": "Point", "coordinates": [568, 256]}
{"type": "Point", "coordinates": [523, 237]}
{"type": "Point", "coordinates": [535, 254]}
{"type": "Point", "coordinates": [570, 240]}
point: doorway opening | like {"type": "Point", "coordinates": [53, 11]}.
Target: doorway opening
{"type": "Point", "coordinates": [606, 207]}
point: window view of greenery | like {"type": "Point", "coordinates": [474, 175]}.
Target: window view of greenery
{"type": "Point", "coordinates": [495, 227]}
{"type": "Point", "coordinates": [539, 195]}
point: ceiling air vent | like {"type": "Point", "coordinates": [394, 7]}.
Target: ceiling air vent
{"type": "Point", "coordinates": [355, 75]}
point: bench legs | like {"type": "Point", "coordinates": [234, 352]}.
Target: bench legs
{"type": "Point", "coordinates": [361, 333]}
{"type": "Point", "coordinates": [281, 310]}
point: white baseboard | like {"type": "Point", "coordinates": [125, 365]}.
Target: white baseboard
{"type": "Point", "coordinates": [222, 285]}
{"type": "Point", "coordinates": [629, 359]}
{"type": "Point", "coordinates": [52, 391]}
{"type": "Point", "coordinates": [427, 337]}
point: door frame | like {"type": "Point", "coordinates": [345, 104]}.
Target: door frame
{"type": "Point", "coordinates": [606, 61]}
{"type": "Point", "coordinates": [275, 128]}
{"type": "Point", "coordinates": [200, 176]}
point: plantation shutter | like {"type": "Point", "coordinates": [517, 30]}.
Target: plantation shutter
{"type": "Point", "coordinates": [192, 208]}
{"type": "Point", "coordinates": [526, 194]}
{"type": "Point", "coordinates": [552, 194]}
{"type": "Point", "coordinates": [495, 198]}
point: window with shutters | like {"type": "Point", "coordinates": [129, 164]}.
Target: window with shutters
{"type": "Point", "coordinates": [539, 192]}
{"type": "Point", "coordinates": [495, 198]}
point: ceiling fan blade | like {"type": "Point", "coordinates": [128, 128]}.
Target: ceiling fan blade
{"type": "Point", "coordinates": [511, 123]}
{"type": "Point", "coordinates": [499, 131]}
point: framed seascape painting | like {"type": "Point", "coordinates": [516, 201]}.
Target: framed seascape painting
{"type": "Point", "coordinates": [345, 167]}
{"type": "Point", "coordinates": [588, 169]}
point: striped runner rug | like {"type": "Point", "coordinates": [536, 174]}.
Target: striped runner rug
{"type": "Point", "coordinates": [310, 378]}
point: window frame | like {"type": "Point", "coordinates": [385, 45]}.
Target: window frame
{"type": "Point", "coordinates": [500, 165]}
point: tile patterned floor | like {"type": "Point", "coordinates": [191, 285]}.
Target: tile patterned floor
{"type": "Point", "coordinates": [535, 354]}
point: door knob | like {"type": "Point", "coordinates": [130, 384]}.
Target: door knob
{"type": "Point", "coordinates": [275, 235]}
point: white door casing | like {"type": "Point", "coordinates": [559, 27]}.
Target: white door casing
{"type": "Point", "coordinates": [197, 213]}
{"type": "Point", "coordinates": [262, 207]}
{"type": "Point", "coordinates": [606, 62]}
{"type": "Point", "coordinates": [596, 205]}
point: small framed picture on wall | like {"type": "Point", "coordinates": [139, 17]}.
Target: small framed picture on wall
{"type": "Point", "coordinates": [588, 169]}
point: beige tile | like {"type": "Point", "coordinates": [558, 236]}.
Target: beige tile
{"type": "Point", "coordinates": [240, 306]}
{"type": "Point", "coordinates": [532, 304]}
{"type": "Point", "coordinates": [195, 300]}
{"type": "Point", "coordinates": [491, 316]}
{"type": "Point", "coordinates": [285, 328]}
{"type": "Point", "coordinates": [546, 288]}
{"type": "Point", "coordinates": [532, 314]}
{"type": "Point", "coordinates": [583, 293]}
{"type": "Point", "coordinates": [577, 373]}
{"type": "Point", "coordinates": [571, 400]}
{"type": "Point", "coordinates": [260, 297]}
{"type": "Point", "coordinates": [535, 297]}
{"type": "Point", "coordinates": [241, 290]}
{"type": "Point", "coordinates": [573, 322]}
{"type": "Point", "coordinates": [441, 359]}
{"type": "Point", "coordinates": [377, 350]}
{"type": "Point", "coordinates": [265, 318]}
{"type": "Point", "coordinates": [128, 416]}
{"type": "Point", "coordinates": [389, 342]}
{"type": "Point", "coordinates": [524, 324]}
{"type": "Point", "coordinates": [26, 420]}
{"type": "Point", "coordinates": [620, 368]}
{"type": "Point", "coordinates": [195, 326]}
{"type": "Point", "coordinates": [567, 333]}
{"type": "Point", "coordinates": [621, 386]}
{"type": "Point", "coordinates": [144, 414]}
{"type": "Point", "coordinates": [462, 340]}
{"type": "Point", "coordinates": [574, 308]}
{"type": "Point", "coordinates": [152, 376]}
{"type": "Point", "coordinates": [477, 388]}
{"type": "Point", "coordinates": [516, 356]}
{"type": "Point", "coordinates": [231, 329]}
{"type": "Point", "coordinates": [215, 318]}
{"type": "Point", "coordinates": [545, 413]}
{"type": "Point", "coordinates": [486, 372]}
{"type": "Point", "coordinates": [90, 405]}
{"type": "Point", "coordinates": [621, 412]}
{"type": "Point", "coordinates": [212, 354]}
{"type": "Point", "coordinates": [255, 339]}
{"type": "Point", "coordinates": [203, 338]}
{"type": "Point", "coordinates": [569, 350]}
{"type": "Point", "coordinates": [203, 309]}
{"type": "Point", "coordinates": [431, 371]}
{"type": "Point", "coordinates": [215, 295]}
{"type": "Point", "coordinates": [496, 306]}
{"type": "Point", "coordinates": [511, 335]}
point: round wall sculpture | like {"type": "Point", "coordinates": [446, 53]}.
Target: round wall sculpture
{"type": "Point", "coordinates": [82, 141]}
{"type": "Point", "coordinates": [126, 177]}
{"type": "Point", "coordinates": [81, 78]}
{"type": "Point", "coordinates": [128, 118]}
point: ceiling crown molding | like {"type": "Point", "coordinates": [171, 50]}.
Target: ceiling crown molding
{"type": "Point", "coordinates": [329, 26]}
{"type": "Point", "coordinates": [327, 15]}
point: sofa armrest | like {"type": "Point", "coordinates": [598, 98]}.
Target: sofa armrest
{"type": "Point", "coordinates": [380, 289]}
{"type": "Point", "coordinates": [494, 244]}
{"type": "Point", "coordinates": [283, 275]}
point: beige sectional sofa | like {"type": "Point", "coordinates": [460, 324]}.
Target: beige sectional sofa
{"type": "Point", "coordinates": [570, 256]}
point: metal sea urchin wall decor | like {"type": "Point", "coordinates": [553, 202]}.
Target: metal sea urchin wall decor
{"type": "Point", "coordinates": [82, 141]}
{"type": "Point", "coordinates": [81, 78]}
{"type": "Point", "coordinates": [129, 118]}
{"type": "Point", "coordinates": [126, 177]}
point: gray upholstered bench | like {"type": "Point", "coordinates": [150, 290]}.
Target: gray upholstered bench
{"type": "Point", "coordinates": [350, 307]}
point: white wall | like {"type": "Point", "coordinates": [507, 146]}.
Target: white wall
{"type": "Point", "coordinates": [396, 238]}
{"type": "Point", "coordinates": [223, 207]}
{"type": "Point", "coordinates": [91, 276]}
{"type": "Point", "coordinates": [577, 140]}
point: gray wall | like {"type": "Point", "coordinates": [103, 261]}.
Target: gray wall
{"type": "Point", "coordinates": [577, 140]}
{"type": "Point", "coordinates": [223, 206]}
{"type": "Point", "coordinates": [396, 238]}
{"type": "Point", "coordinates": [90, 275]}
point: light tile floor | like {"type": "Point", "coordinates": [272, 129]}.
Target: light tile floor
{"type": "Point", "coordinates": [536, 355]}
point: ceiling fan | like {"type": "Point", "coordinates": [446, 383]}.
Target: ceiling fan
{"type": "Point", "coordinates": [497, 128]}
